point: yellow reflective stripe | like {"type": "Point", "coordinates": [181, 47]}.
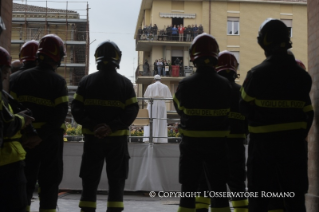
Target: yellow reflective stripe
{"type": "Point", "coordinates": [277, 210]}
{"type": "Point", "coordinates": [130, 101]}
{"type": "Point", "coordinates": [78, 97]}
{"type": "Point", "coordinates": [107, 103]}
{"type": "Point", "coordinates": [38, 125]}
{"type": "Point", "coordinates": [182, 209]}
{"type": "Point", "coordinates": [239, 203]}
{"type": "Point", "coordinates": [115, 205]}
{"type": "Point", "coordinates": [201, 206]}
{"type": "Point", "coordinates": [308, 108]}
{"type": "Point", "coordinates": [201, 112]}
{"type": "Point", "coordinates": [63, 126]}
{"type": "Point", "coordinates": [36, 100]}
{"type": "Point", "coordinates": [116, 133]}
{"type": "Point", "coordinates": [61, 99]}
{"type": "Point", "coordinates": [13, 94]}
{"type": "Point", "coordinates": [235, 115]}
{"type": "Point", "coordinates": [47, 210]}
{"type": "Point", "coordinates": [241, 210]}
{"type": "Point", "coordinates": [87, 204]}
{"type": "Point", "coordinates": [11, 152]}
{"type": "Point", "coordinates": [225, 209]}
{"type": "Point", "coordinates": [201, 199]}
{"type": "Point", "coordinates": [22, 119]}
{"type": "Point", "coordinates": [245, 96]}
{"type": "Point", "coordinates": [204, 134]}
{"type": "Point", "coordinates": [278, 127]}
{"type": "Point", "coordinates": [280, 103]}
{"type": "Point", "coordinates": [236, 136]}
{"type": "Point", "coordinates": [27, 208]}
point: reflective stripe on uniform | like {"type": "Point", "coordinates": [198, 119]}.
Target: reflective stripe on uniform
{"type": "Point", "coordinates": [13, 94]}
{"type": "Point", "coordinates": [47, 210]}
{"type": "Point", "coordinates": [61, 99]}
{"type": "Point", "coordinates": [239, 203]}
{"type": "Point", "coordinates": [201, 112]}
{"type": "Point", "coordinates": [116, 133]}
{"type": "Point", "coordinates": [36, 100]}
{"type": "Point", "coordinates": [38, 125]}
{"type": "Point", "coordinates": [11, 152]}
{"type": "Point", "coordinates": [241, 210]}
{"type": "Point", "coordinates": [225, 209]}
{"type": "Point", "coordinates": [78, 97]}
{"type": "Point", "coordinates": [204, 134]}
{"type": "Point", "coordinates": [201, 206]}
{"type": "Point", "coordinates": [235, 115]}
{"type": "Point", "coordinates": [115, 205]}
{"type": "Point", "coordinates": [236, 136]}
{"type": "Point", "coordinates": [245, 96]}
{"type": "Point", "coordinates": [278, 127]}
{"type": "Point", "coordinates": [27, 208]}
{"type": "Point", "coordinates": [107, 103]}
{"type": "Point", "coordinates": [182, 209]}
{"type": "Point", "coordinates": [280, 103]}
{"type": "Point", "coordinates": [87, 204]}
{"type": "Point", "coordinates": [22, 119]}
{"type": "Point", "coordinates": [130, 101]}
{"type": "Point", "coordinates": [308, 108]}
{"type": "Point", "coordinates": [201, 199]}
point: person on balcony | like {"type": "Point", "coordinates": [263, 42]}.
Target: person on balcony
{"type": "Point", "coordinates": [146, 68]}
{"type": "Point", "coordinates": [139, 32]}
{"type": "Point", "coordinates": [169, 32]}
{"type": "Point", "coordinates": [195, 31]}
{"type": "Point", "coordinates": [200, 29]}
{"type": "Point", "coordinates": [155, 67]}
{"type": "Point", "coordinates": [154, 30]}
{"type": "Point", "coordinates": [188, 33]}
{"type": "Point", "coordinates": [181, 30]}
{"type": "Point", "coordinates": [158, 108]}
{"type": "Point", "coordinates": [174, 33]}
{"type": "Point", "coordinates": [160, 67]}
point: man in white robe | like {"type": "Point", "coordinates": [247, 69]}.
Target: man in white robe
{"type": "Point", "coordinates": [157, 90]}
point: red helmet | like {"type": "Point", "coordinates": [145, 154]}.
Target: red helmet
{"type": "Point", "coordinates": [301, 64]}
{"type": "Point", "coordinates": [28, 51]}
{"type": "Point", "coordinates": [52, 46]}
{"type": "Point", "coordinates": [5, 58]}
{"type": "Point", "coordinates": [227, 61]}
{"type": "Point", "coordinates": [203, 46]}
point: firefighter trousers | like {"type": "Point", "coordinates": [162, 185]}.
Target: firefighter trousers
{"type": "Point", "coordinates": [114, 151]}
{"type": "Point", "coordinates": [44, 164]}
{"type": "Point", "coordinates": [13, 197]}
{"type": "Point", "coordinates": [278, 166]}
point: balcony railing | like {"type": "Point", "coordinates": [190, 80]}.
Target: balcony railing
{"type": "Point", "coordinates": [151, 70]}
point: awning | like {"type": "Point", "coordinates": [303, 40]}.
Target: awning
{"type": "Point", "coordinates": [177, 15]}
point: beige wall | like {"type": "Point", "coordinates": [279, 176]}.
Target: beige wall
{"type": "Point", "coordinates": [193, 7]}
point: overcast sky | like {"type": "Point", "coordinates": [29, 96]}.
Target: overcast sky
{"type": "Point", "coordinates": [113, 20]}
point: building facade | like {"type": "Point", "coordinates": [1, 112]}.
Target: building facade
{"type": "Point", "coordinates": [234, 24]}
{"type": "Point", "coordinates": [32, 23]}
{"type": "Point", "coordinates": [5, 24]}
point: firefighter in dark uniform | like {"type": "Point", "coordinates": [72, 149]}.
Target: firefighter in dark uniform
{"type": "Point", "coordinates": [12, 179]}
{"type": "Point", "coordinates": [227, 67]}
{"type": "Point", "coordinates": [105, 105]}
{"type": "Point", "coordinates": [28, 57]}
{"type": "Point", "coordinates": [275, 100]}
{"type": "Point", "coordinates": [203, 102]}
{"type": "Point", "coordinates": [45, 93]}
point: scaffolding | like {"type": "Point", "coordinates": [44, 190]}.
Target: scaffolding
{"type": "Point", "coordinates": [30, 22]}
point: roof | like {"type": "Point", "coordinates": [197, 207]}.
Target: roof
{"type": "Point", "coordinates": [30, 8]}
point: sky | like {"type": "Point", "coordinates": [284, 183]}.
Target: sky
{"type": "Point", "coordinates": [113, 20]}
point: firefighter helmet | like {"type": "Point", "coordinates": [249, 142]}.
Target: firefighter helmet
{"type": "Point", "coordinates": [28, 51]}
{"type": "Point", "coordinates": [301, 64]}
{"type": "Point", "coordinates": [52, 46]}
{"type": "Point", "coordinates": [227, 61]}
{"type": "Point", "coordinates": [204, 46]}
{"type": "Point", "coordinates": [274, 34]}
{"type": "Point", "coordinates": [108, 52]}
{"type": "Point", "coordinates": [5, 58]}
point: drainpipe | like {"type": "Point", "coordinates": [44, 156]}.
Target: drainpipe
{"type": "Point", "coordinates": [209, 15]}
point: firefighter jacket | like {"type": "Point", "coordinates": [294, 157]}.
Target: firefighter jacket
{"type": "Point", "coordinates": [275, 97]}
{"type": "Point", "coordinates": [25, 66]}
{"type": "Point", "coordinates": [11, 150]}
{"type": "Point", "coordinates": [105, 97]}
{"type": "Point", "coordinates": [45, 93]}
{"type": "Point", "coordinates": [238, 124]}
{"type": "Point", "coordinates": [203, 101]}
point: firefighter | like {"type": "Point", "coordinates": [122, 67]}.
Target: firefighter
{"type": "Point", "coordinates": [275, 100]}
{"type": "Point", "coordinates": [12, 154]}
{"type": "Point", "coordinates": [27, 56]}
{"type": "Point", "coordinates": [203, 103]}
{"type": "Point", "coordinates": [45, 93]}
{"type": "Point", "coordinates": [105, 105]}
{"type": "Point", "coordinates": [227, 67]}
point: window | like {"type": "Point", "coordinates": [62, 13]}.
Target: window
{"type": "Point", "coordinates": [232, 26]}
{"type": "Point", "coordinates": [288, 23]}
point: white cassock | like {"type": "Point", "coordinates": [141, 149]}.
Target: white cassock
{"type": "Point", "coordinates": [157, 90]}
